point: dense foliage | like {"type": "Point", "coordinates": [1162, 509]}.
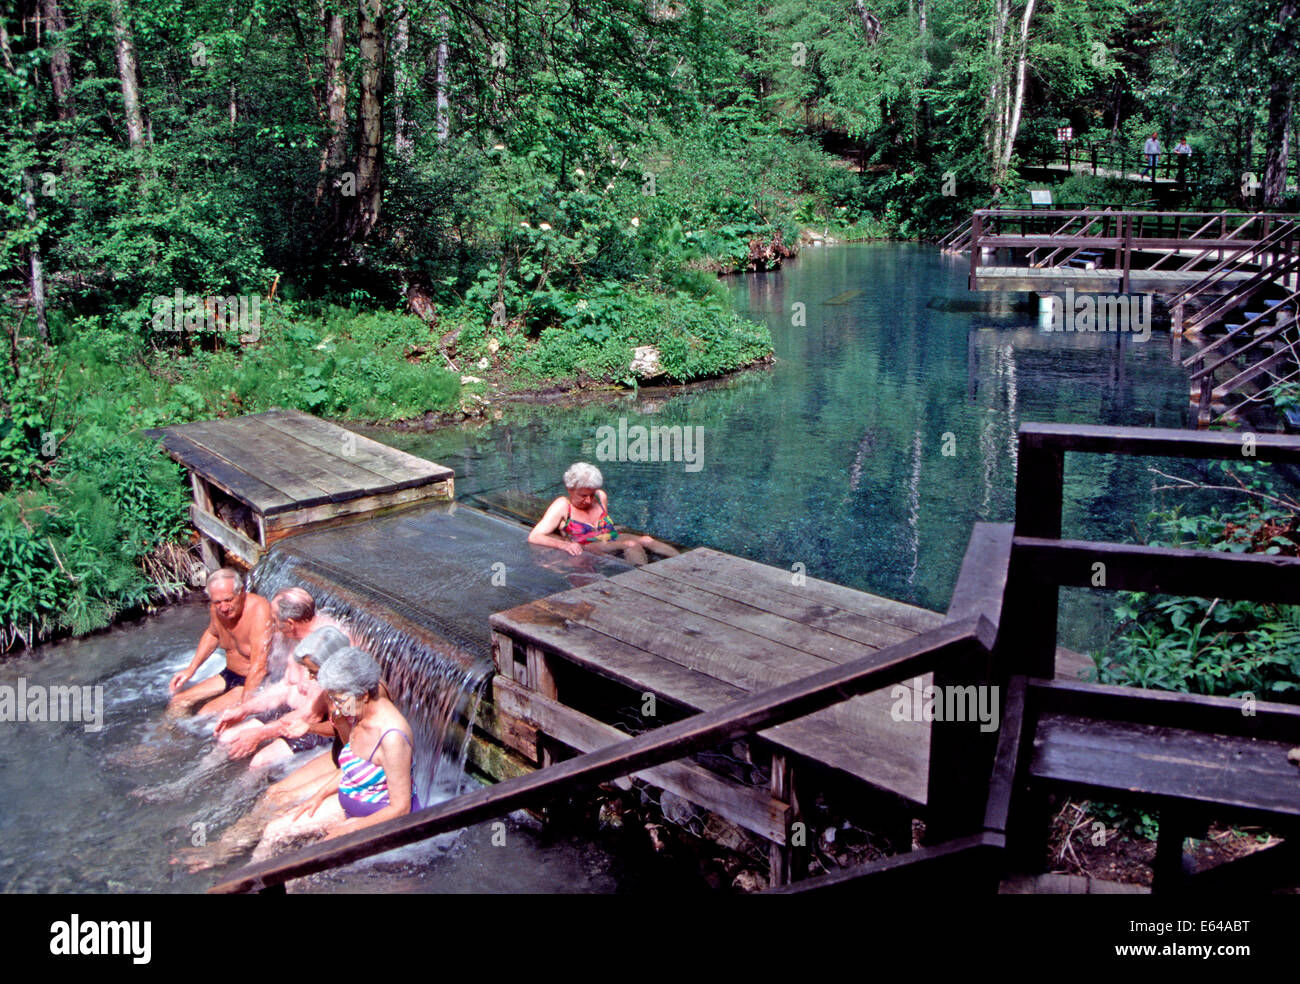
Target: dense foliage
{"type": "Point", "coordinates": [528, 191]}
{"type": "Point", "coordinates": [1214, 646]}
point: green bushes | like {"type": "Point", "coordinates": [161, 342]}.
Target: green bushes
{"type": "Point", "coordinates": [71, 548]}
{"type": "Point", "coordinates": [597, 330]}
{"type": "Point", "coordinates": [1214, 646]}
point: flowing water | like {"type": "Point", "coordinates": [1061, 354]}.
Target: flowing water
{"type": "Point", "coordinates": [882, 433]}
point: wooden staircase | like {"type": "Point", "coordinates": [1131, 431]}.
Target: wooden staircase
{"type": "Point", "coordinates": [1246, 335]}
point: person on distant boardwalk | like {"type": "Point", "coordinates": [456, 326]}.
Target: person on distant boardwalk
{"type": "Point", "coordinates": [1183, 152]}
{"type": "Point", "coordinates": [240, 623]}
{"type": "Point", "coordinates": [579, 520]}
{"type": "Point", "coordinates": [1152, 149]}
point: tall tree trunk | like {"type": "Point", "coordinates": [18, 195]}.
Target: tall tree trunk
{"type": "Point", "coordinates": [997, 89]}
{"type": "Point", "coordinates": [442, 120]}
{"type": "Point", "coordinates": [370, 118]}
{"type": "Point", "coordinates": [1007, 91]}
{"type": "Point", "coordinates": [34, 254]}
{"type": "Point", "coordinates": [1281, 98]}
{"type": "Point", "coordinates": [336, 101]}
{"type": "Point", "coordinates": [127, 71]}
{"type": "Point", "coordinates": [60, 72]}
{"type": "Point", "coordinates": [402, 142]}
{"type": "Point", "coordinates": [1022, 62]}
{"type": "Point", "coordinates": [870, 22]}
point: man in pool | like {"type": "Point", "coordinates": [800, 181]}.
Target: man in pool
{"type": "Point", "coordinates": [240, 624]}
{"type": "Point", "coordinates": [293, 618]}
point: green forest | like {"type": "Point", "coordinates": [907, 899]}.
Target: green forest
{"type": "Point", "coordinates": [364, 210]}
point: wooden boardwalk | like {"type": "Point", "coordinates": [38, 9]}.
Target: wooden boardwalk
{"type": "Point", "coordinates": [262, 477]}
{"type": "Point", "coordinates": [1047, 280]}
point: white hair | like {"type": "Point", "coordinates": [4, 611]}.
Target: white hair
{"type": "Point", "coordinates": [225, 574]}
{"type": "Point", "coordinates": [350, 671]}
{"type": "Point", "coordinates": [583, 476]}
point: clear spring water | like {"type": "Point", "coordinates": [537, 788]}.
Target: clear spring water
{"type": "Point", "coordinates": [833, 459]}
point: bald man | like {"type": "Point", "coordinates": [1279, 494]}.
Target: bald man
{"type": "Point", "coordinates": [294, 619]}
{"type": "Point", "coordinates": [240, 624]}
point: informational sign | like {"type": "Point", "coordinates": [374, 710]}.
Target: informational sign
{"type": "Point", "coordinates": [1040, 196]}
{"type": "Point", "coordinates": [1064, 133]}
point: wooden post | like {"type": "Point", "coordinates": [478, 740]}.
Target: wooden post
{"type": "Point", "coordinates": [976, 232]}
{"type": "Point", "coordinates": [541, 680]}
{"type": "Point", "coordinates": [961, 750]}
{"type": "Point", "coordinates": [1167, 871]}
{"type": "Point", "coordinates": [203, 499]}
{"type": "Point", "coordinates": [782, 788]}
{"type": "Point", "coordinates": [1126, 224]}
{"type": "Point", "coordinates": [1039, 487]}
{"type": "Point", "coordinates": [1178, 318]}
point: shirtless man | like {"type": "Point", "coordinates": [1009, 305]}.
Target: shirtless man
{"type": "Point", "coordinates": [241, 625]}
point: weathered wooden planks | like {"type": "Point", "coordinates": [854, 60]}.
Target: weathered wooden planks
{"type": "Point", "coordinates": [295, 472]}
{"type": "Point", "coordinates": [704, 629]}
{"type": "Point", "coordinates": [1223, 774]}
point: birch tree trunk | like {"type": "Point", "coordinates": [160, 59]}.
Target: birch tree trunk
{"type": "Point", "coordinates": [336, 101]}
{"type": "Point", "coordinates": [443, 117]}
{"type": "Point", "coordinates": [1022, 62]}
{"type": "Point", "coordinates": [34, 255]}
{"type": "Point", "coordinates": [402, 141]}
{"type": "Point", "coordinates": [370, 118]}
{"type": "Point", "coordinates": [127, 72]}
{"type": "Point", "coordinates": [1007, 88]}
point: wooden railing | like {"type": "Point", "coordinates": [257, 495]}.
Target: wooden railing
{"type": "Point", "coordinates": [952, 650]}
{"type": "Point", "coordinates": [1042, 562]}
{"type": "Point", "coordinates": [1193, 237]}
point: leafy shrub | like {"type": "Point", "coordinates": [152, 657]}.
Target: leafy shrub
{"type": "Point", "coordinates": [1214, 646]}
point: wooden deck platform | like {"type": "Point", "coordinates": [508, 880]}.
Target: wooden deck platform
{"type": "Point", "coordinates": [1047, 280]}
{"type": "Point", "coordinates": [700, 631]}
{"type": "Point", "coordinates": [259, 478]}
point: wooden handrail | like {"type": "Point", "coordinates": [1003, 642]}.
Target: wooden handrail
{"type": "Point", "coordinates": [1156, 442]}
{"type": "Point", "coordinates": [959, 640]}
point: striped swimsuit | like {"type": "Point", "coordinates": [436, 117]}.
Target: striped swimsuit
{"type": "Point", "coordinates": [363, 787]}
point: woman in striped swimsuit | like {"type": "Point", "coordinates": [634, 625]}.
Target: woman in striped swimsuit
{"type": "Point", "coordinates": [378, 786]}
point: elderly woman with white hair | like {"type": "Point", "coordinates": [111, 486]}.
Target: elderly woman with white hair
{"type": "Point", "coordinates": [579, 520]}
{"type": "Point", "coordinates": [373, 782]}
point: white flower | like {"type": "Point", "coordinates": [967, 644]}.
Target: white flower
{"type": "Point", "coordinates": [524, 225]}
{"type": "Point", "coordinates": [636, 222]}
{"type": "Point", "coordinates": [545, 227]}
{"type": "Point", "coordinates": [498, 146]}
{"type": "Point", "coordinates": [579, 172]}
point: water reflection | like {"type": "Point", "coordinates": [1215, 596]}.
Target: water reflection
{"type": "Point", "coordinates": [885, 430]}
